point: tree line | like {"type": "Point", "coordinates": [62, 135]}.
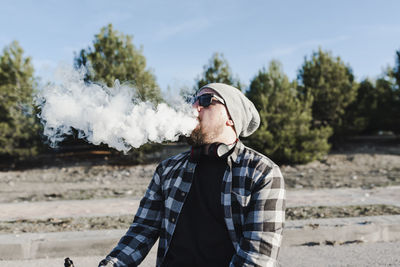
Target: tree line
{"type": "Point", "coordinates": [300, 118]}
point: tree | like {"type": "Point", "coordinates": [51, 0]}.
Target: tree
{"type": "Point", "coordinates": [217, 71]}
{"type": "Point", "coordinates": [388, 106]}
{"type": "Point", "coordinates": [376, 104]}
{"type": "Point", "coordinates": [285, 133]}
{"type": "Point", "coordinates": [331, 84]}
{"type": "Point", "coordinates": [18, 127]}
{"type": "Point", "coordinates": [396, 70]}
{"type": "Point", "coordinates": [113, 56]}
{"type": "Point", "coordinates": [359, 115]}
{"type": "Point", "coordinates": [396, 95]}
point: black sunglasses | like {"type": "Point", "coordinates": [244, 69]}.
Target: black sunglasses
{"type": "Point", "coordinates": [205, 100]}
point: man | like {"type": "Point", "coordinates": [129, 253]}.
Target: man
{"type": "Point", "coordinates": [220, 204]}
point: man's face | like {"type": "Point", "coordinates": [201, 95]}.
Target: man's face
{"type": "Point", "coordinates": [212, 120]}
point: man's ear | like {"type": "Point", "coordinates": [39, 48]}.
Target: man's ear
{"type": "Point", "coordinates": [229, 122]}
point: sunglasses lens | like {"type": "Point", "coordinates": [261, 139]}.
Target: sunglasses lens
{"type": "Point", "coordinates": [205, 100]}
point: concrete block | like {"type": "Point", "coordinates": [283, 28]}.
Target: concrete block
{"type": "Point", "coordinates": [70, 244]}
{"type": "Point", "coordinates": [11, 251]}
{"type": "Point", "coordinates": [66, 248]}
{"type": "Point", "coordinates": [77, 243]}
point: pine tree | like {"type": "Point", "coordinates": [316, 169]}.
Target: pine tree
{"type": "Point", "coordinates": [386, 117]}
{"type": "Point", "coordinates": [359, 115]}
{"type": "Point", "coordinates": [285, 133]}
{"type": "Point", "coordinates": [376, 105]}
{"type": "Point", "coordinates": [395, 122]}
{"type": "Point", "coordinates": [331, 84]}
{"type": "Point", "coordinates": [396, 70]}
{"type": "Point", "coordinates": [18, 125]}
{"type": "Point", "coordinates": [113, 56]}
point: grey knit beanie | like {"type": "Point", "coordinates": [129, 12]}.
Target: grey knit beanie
{"type": "Point", "coordinates": [242, 111]}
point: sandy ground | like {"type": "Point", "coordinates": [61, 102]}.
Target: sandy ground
{"type": "Point", "coordinates": [86, 181]}
{"type": "Point", "coordinates": [123, 221]}
{"type": "Point", "coordinates": [360, 255]}
{"type": "Point", "coordinates": [363, 167]}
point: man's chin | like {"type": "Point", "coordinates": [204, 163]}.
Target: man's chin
{"type": "Point", "coordinates": [196, 138]}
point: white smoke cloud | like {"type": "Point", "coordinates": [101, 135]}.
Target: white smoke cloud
{"type": "Point", "coordinates": [108, 115]}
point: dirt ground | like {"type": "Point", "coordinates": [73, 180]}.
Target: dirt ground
{"type": "Point", "coordinates": [123, 221]}
{"type": "Point", "coordinates": [357, 166]}
{"type": "Point", "coordinates": [360, 166]}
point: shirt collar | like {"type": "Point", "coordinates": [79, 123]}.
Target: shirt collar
{"type": "Point", "coordinates": [236, 154]}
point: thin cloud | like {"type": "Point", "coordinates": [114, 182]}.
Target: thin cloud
{"type": "Point", "coordinates": [287, 50]}
{"type": "Point", "coordinates": [380, 29]}
{"type": "Point", "coordinates": [195, 25]}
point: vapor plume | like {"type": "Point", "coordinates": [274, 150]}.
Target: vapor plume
{"type": "Point", "coordinates": [113, 116]}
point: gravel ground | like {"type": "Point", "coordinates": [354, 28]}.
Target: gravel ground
{"type": "Point", "coordinates": [75, 182]}
{"type": "Point", "coordinates": [300, 213]}
{"type": "Point", "coordinates": [364, 170]}
{"type": "Point", "coordinates": [85, 181]}
{"type": "Point", "coordinates": [360, 167]}
{"type": "Point", "coordinates": [123, 221]}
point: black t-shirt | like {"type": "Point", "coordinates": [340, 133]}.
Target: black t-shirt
{"type": "Point", "coordinates": [201, 237]}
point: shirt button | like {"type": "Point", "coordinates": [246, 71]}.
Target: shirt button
{"type": "Point", "coordinates": [173, 220]}
{"type": "Point", "coordinates": [183, 194]}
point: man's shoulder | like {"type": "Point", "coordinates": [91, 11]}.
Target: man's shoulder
{"type": "Point", "coordinates": [249, 155]}
{"type": "Point", "coordinates": [173, 160]}
{"type": "Point", "coordinates": [260, 168]}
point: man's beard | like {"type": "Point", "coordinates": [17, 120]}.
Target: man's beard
{"type": "Point", "coordinates": [196, 138]}
{"type": "Point", "coordinates": [199, 138]}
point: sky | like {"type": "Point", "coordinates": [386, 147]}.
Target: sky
{"type": "Point", "coordinates": [179, 37]}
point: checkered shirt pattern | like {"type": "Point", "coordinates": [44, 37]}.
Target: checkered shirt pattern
{"type": "Point", "coordinates": [253, 197]}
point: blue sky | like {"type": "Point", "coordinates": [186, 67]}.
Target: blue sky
{"type": "Point", "coordinates": [179, 37]}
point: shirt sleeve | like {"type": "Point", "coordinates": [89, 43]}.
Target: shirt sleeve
{"type": "Point", "coordinates": [143, 232]}
{"type": "Point", "coordinates": [263, 223]}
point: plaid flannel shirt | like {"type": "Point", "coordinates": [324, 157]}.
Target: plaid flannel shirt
{"type": "Point", "coordinates": [252, 195]}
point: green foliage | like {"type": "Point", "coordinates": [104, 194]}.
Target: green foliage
{"type": "Point", "coordinates": [376, 105]}
{"type": "Point", "coordinates": [331, 84]}
{"type": "Point", "coordinates": [113, 56]}
{"type": "Point", "coordinates": [285, 133]}
{"type": "Point", "coordinates": [217, 71]}
{"type": "Point", "coordinates": [396, 70]}
{"type": "Point", "coordinates": [388, 106]}
{"type": "Point", "coordinates": [18, 125]}
{"type": "Point", "coordinates": [396, 96]}
{"type": "Point", "coordinates": [360, 113]}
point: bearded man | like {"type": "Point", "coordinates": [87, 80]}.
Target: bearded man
{"type": "Point", "coordinates": [219, 204]}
